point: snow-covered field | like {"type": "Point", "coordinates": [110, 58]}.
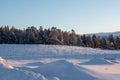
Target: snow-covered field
{"type": "Point", "coordinates": [53, 62]}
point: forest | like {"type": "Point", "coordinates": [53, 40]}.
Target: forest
{"type": "Point", "coordinates": [53, 35]}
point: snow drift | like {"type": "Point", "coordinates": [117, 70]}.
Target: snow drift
{"type": "Point", "coordinates": [62, 70]}
{"type": "Point", "coordinates": [53, 62]}
{"type": "Point", "coordinates": [97, 62]}
{"type": "Point", "coordinates": [8, 72]}
{"type": "Point", "coordinates": [4, 64]}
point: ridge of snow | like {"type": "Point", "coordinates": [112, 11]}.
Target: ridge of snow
{"type": "Point", "coordinates": [7, 72]}
{"type": "Point", "coordinates": [4, 64]}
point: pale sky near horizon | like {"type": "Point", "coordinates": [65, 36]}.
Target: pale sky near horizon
{"type": "Point", "coordinates": [84, 16]}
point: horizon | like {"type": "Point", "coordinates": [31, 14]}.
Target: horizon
{"type": "Point", "coordinates": [82, 16]}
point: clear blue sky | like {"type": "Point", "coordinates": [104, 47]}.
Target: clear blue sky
{"type": "Point", "coordinates": [84, 16]}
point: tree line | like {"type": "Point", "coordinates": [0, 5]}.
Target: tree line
{"type": "Point", "coordinates": [53, 35]}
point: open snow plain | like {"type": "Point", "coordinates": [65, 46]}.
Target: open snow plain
{"type": "Point", "coordinates": [53, 62]}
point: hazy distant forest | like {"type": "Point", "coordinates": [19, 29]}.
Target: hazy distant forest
{"type": "Point", "coordinates": [53, 35]}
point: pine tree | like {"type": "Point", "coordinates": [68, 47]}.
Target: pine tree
{"type": "Point", "coordinates": [111, 41]}
{"type": "Point", "coordinates": [96, 41]}
{"type": "Point", "coordinates": [12, 38]}
{"type": "Point", "coordinates": [66, 38]}
{"type": "Point", "coordinates": [84, 40]}
{"type": "Point", "coordinates": [117, 43]}
{"type": "Point", "coordinates": [73, 38]}
{"type": "Point", "coordinates": [79, 41]}
{"type": "Point", "coordinates": [105, 43]}
{"type": "Point", "coordinates": [32, 35]}
{"type": "Point", "coordinates": [89, 41]}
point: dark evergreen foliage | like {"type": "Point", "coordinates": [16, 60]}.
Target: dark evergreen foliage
{"type": "Point", "coordinates": [32, 35]}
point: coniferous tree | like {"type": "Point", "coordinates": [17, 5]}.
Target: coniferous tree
{"type": "Point", "coordinates": [105, 43]}
{"type": "Point", "coordinates": [111, 41]}
{"type": "Point", "coordinates": [73, 38]}
{"type": "Point", "coordinates": [84, 40]}
{"type": "Point", "coordinates": [89, 41]}
{"type": "Point", "coordinates": [117, 43]}
{"type": "Point", "coordinates": [96, 41]}
{"type": "Point", "coordinates": [32, 35]}
{"type": "Point", "coordinates": [12, 38]}
{"type": "Point", "coordinates": [66, 38]}
{"type": "Point", "coordinates": [79, 41]}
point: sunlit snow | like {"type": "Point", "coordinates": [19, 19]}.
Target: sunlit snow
{"type": "Point", "coordinates": [53, 62]}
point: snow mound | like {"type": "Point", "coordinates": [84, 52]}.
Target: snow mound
{"type": "Point", "coordinates": [55, 78]}
{"type": "Point", "coordinates": [97, 62]}
{"type": "Point", "coordinates": [35, 64]}
{"type": "Point", "coordinates": [7, 72]}
{"type": "Point", "coordinates": [13, 74]}
{"type": "Point", "coordinates": [63, 70]}
{"type": "Point", "coordinates": [4, 64]}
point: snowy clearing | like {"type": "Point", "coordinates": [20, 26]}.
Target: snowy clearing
{"type": "Point", "coordinates": [53, 62]}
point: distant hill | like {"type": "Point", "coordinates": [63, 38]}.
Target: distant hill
{"type": "Point", "coordinates": [106, 34]}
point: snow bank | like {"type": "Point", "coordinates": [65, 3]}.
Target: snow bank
{"type": "Point", "coordinates": [53, 51]}
{"type": "Point", "coordinates": [97, 62]}
{"type": "Point", "coordinates": [52, 70]}
{"type": "Point", "coordinates": [62, 70]}
{"type": "Point", "coordinates": [57, 70]}
{"type": "Point", "coordinates": [8, 72]}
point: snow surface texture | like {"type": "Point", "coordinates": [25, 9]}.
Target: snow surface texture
{"type": "Point", "coordinates": [48, 62]}
{"type": "Point", "coordinates": [50, 51]}
{"type": "Point", "coordinates": [7, 72]}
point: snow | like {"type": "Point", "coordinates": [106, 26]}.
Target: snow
{"type": "Point", "coordinates": [56, 51]}
{"type": "Point", "coordinates": [106, 34]}
{"type": "Point", "coordinates": [4, 64]}
{"type": "Point", "coordinates": [97, 62]}
{"type": "Point", "coordinates": [8, 72]}
{"type": "Point", "coordinates": [53, 62]}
